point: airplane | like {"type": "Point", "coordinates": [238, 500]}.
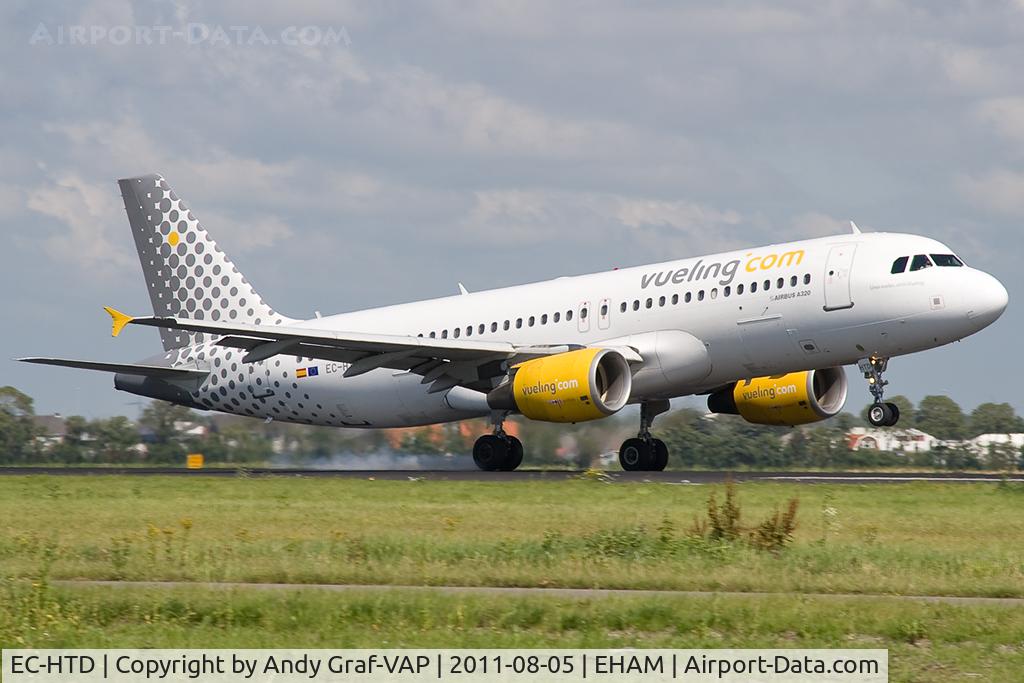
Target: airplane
{"type": "Point", "coordinates": [762, 332]}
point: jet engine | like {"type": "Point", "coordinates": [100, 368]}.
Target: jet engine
{"type": "Point", "coordinates": [575, 386]}
{"type": "Point", "coordinates": [793, 399]}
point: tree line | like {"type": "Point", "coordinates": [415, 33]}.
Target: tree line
{"type": "Point", "coordinates": [694, 439]}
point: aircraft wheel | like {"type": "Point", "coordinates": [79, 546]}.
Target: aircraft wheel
{"type": "Point", "coordinates": [895, 409]}
{"type": "Point", "coordinates": [883, 415]}
{"type": "Point", "coordinates": [515, 454]}
{"type": "Point", "coordinates": [659, 455]}
{"type": "Point", "coordinates": [490, 452]}
{"type": "Point", "coordinates": [635, 455]}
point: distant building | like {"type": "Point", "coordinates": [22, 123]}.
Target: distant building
{"type": "Point", "coordinates": [982, 444]}
{"type": "Point", "coordinates": [893, 440]}
{"type": "Point", "coordinates": [50, 430]}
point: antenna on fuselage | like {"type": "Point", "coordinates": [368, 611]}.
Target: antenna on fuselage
{"type": "Point", "coordinates": [462, 289]}
{"type": "Point", "coordinates": [854, 229]}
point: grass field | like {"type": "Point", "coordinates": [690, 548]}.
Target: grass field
{"type": "Point", "coordinates": [939, 539]}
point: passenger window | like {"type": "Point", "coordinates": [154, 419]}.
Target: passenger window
{"type": "Point", "coordinates": [661, 301]}
{"type": "Point", "coordinates": [433, 335]}
{"type": "Point", "coordinates": [792, 281]}
{"type": "Point", "coordinates": [767, 285]}
{"type": "Point", "coordinates": [456, 333]}
{"type": "Point", "coordinates": [650, 302]}
{"type": "Point", "coordinates": [899, 265]}
{"type": "Point", "coordinates": [622, 308]}
{"type": "Point", "coordinates": [636, 304]}
{"type": "Point", "coordinates": [807, 279]}
{"type": "Point", "coordinates": [494, 327]}
{"type": "Point", "coordinates": [480, 330]}
{"type": "Point", "coordinates": [532, 321]}
{"type": "Point", "coordinates": [946, 260]}
{"type": "Point", "coordinates": [780, 283]}
{"type": "Point", "coordinates": [727, 291]}
{"type": "Point", "coordinates": [544, 319]}
{"type": "Point", "coordinates": [583, 313]}
{"type": "Point", "coordinates": [689, 297]}
{"type": "Point", "coordinates": [675, 299]}
{"type": "Point", "coordinates": [505, 326]}
{"type": "Point", "coordinates": [469, 330]}
{"type": "Point", "coordinates": [557, 316]}
{"type": "Point", "coordinates": [920, 262]}
{"type": "Point", "coordinates": [519, 323]}
{"type": "Point", "coordinates": [444, 334]}
{"type": "Point", "coordinates": [753, 287]}
{"type": "Point", "coordinates": [739, 289]}
{"type": "Point", "coordinates": [604, 310]}
{"type": "Point", "coordinates": [568, 314]}
{"type": "Point", "coordinates": [714, 292]}
{"type": "Point", "coordinates": [700, 295]}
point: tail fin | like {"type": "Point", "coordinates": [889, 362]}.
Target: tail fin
{"type": "Point", "coordinates": [187, 274]}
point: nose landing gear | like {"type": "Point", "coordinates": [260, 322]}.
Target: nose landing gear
{"type": "Point", "coordinates": [879, 414]}
{"type": "Point", "coordinates": [645, 453]}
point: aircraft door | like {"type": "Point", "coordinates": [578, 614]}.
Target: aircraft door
{"type": "Point", "coordinates": [837, 277]}
{"type": "Point", "coordinates": [583, 317]}
{"type": "Point", "coordinates": [604, 311]}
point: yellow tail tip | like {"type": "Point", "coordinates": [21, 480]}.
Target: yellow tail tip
{"type": "Point", "coordinates": [118, 319]}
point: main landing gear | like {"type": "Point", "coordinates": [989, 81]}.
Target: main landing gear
{"type": "Point", "coordinates": [645, 453]}
{"type": "Point", "coordinates": [879, 414]}
{"type": "Point", "coordinates": [498, 452]}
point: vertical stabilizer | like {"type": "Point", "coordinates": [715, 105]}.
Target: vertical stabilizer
{"type": "Point", "coordinates": [187, 274]}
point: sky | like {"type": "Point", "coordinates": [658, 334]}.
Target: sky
{"type": "Point", "coordinates": [349, 155]}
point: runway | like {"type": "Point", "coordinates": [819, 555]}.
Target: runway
{"type": "Point", "coordinates": [678, 477]}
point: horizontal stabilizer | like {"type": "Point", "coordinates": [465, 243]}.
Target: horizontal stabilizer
{"type": "Point", "coordinates": [126, 368]}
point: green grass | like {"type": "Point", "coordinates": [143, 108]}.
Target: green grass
{"type": "Point", "coordinates": [919, 538]}
{"type": "Point", "coordinates": [925, 642]}
{"type": "Point", "coordinates": [923, 538]}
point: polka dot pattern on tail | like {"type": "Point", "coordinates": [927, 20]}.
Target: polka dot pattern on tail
{"type": "Point", "coordinates": [180, 260]}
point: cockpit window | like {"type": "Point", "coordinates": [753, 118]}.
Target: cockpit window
{"type": "Point", "coordinates": [900, 264]}
{"type": "Point", "coordinates": [920, 262]}
{"type": "Point", "coordinates": [946, 260]}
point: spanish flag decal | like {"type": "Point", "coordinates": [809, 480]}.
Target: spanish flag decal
{"type": "Point", "coordinates": [311, 371]}
{"type": "Point", "coordinates": [300, 373]}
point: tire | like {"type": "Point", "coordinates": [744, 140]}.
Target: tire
{"type": "Point", "coordinates": [490, 453]}
{"type": "Point", "coordinates": [881, 415]}
{"type": "Point", "coordinates": [895, 409]}
{"type": "Point", "coordinates": [635, 455]}
{"type": "Point", "coordinates": [659, 455]}
{"type": "Point", "coordinates": [514, 458]}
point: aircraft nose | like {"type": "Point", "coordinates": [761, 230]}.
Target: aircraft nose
{"type": "Point", "coordinates": [988, 298]}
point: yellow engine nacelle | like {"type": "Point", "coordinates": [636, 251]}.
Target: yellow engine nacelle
{"type": "Point", "coordinates": [575, 386]}
{"type": "Point", "coordinates": [794, 399]}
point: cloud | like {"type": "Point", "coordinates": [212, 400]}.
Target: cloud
{"type": "Point", "coordinates": [1005, 115]}
{"type": "Point", "coordinates": [816, 224]}
{"type": "Point", "coordinates": [536, 217]}
{"type": "Point", "coordinates": [88, 239]}
{"type": "Point", "coordinates": [1000, 191]}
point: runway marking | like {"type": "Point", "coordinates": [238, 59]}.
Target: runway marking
{"type": "Point", "coordinates": [988, 479]}
{"type": "Point", "coordinates": [531, 590]}
{"type": "Point", "coordinates": [678, 478]}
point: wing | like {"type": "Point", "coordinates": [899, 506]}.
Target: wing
{"type": "Point", "coordinates": [126, 368]}
{"type": "Point", "coordinates": [443, 363]}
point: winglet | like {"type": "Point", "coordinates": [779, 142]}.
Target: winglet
{"type": "Point", "coordinates": [854, 228]}
{"type": "Point", "coordinates": [118, 319]}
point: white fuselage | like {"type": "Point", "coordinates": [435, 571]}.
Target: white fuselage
{"type": "Point", "coordinates": [803, 305]}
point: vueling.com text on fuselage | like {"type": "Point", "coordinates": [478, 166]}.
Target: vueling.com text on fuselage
{"type": "Point", "coordinates": [725, 272]}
